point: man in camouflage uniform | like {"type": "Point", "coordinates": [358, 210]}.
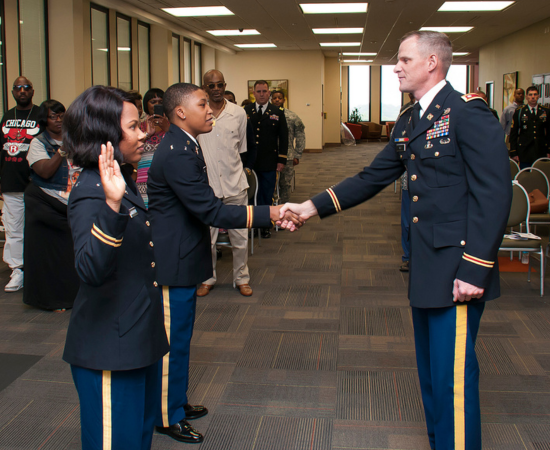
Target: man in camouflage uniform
{"type": "Point", "coordinates": [295, 132]}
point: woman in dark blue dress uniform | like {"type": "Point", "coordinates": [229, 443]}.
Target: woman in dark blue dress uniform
{"type": "Point", "coordinates": [116, 334]}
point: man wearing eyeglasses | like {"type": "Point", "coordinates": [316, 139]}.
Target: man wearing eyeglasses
{"type": "Point", "coordinates": [223, 148]}
{"type": "Point", "coordinates": [19, 126]}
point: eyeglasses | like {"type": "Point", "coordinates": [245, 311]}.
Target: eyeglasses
{"type": "Point", "coordinates": [55, 117]}
{"type": "Point", "coordinates": [218, 85]}
{"type": "Point", "coordinates": [18, 87]}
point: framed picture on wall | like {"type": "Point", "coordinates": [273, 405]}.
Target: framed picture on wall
{"type": "Point", "coordinates": [274, 85]}
{"type": "Point", "coordinates": [509, 85]}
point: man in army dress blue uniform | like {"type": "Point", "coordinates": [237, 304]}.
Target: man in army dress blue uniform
{"type": "Point", "coordinates": [296, 145]}
{"type": "Point", "coordinates": [460, 191]}
{"type": "Point", "coordinates": [530, 131]}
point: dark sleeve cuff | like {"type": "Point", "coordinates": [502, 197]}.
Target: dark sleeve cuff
{"type": "Point", "coordinates": [475, 270]}
{"type": "Point", "coordinates": [257, 216]}
{"type": "Point", "coordinates": [326, 203]}
{"type": "Point", "coordinates": [282, 159]}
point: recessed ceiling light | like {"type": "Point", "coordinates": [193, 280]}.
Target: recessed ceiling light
{"type": "Point", "coordinates": [460, 53]}
{"type": "Point", "coordinates": [447, 29]}
{"type": "Point", "coordinates": [474, 6]}
{"type": "Point", "coordinates": [333, 8]}
{"type": "Point", "coordinates": [233, 32]}
{"type": "Point", "coordinates": [338, 30]}
{"type": "Point", "coordinates": [340, 44]}
{"type": "Point", "coordinates": [357, 60]}
{"type": "Point", "coordinates": [200, 11]}
{"type": "Point", "coordinates": [359, 54]}
{"type": "Point", "coordinates": [255, 45]}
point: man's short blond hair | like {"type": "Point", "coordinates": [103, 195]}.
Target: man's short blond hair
{"type": "Point", "coordinates": [433, 42]}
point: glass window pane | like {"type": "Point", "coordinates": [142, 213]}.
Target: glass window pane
{"type": "Point", "coordinates": [100, 48]}
{"type": "Point", "coordinates": [198, 65]}
{"type": "Point", "coordinates": [458, 77]}
{"type": "Point", "coordinates": [32, 32]}
{"type": "Point", "coordinates": [176, 59]}
{"type": "Point", "coordinates": [359, 91]}
{"type": "Point", "coordinates": [124, 53]}
{"type": "Point", "coordinates": [390, 95]}
{"type": "Point", "coordinates": [186, 61]}
{"type": "Point", "coordinates": [143, 59]}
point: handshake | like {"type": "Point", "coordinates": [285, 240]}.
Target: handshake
{"type": "Point", "coordinates": [292, 216]}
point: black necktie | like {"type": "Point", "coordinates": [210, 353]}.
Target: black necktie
{"type": "Point", "coordinates": [260, 110]}
{"type": "Point", "coordinates": [415, 116]}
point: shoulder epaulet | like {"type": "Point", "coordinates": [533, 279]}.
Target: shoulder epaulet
{"type": "Point", "coordinates": [468, 97]}
{"type": "Point", "coordinates": [406, 109]}
{"type": "Point", "coordinates": [281, 108]}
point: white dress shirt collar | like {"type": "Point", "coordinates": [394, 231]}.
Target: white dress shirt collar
{"type": "Point", "coordinates": [429, 96]}
{"type": "Point", "coordinates": [194, 140]}
{"type": "Point", "coordinates": [264, 107]}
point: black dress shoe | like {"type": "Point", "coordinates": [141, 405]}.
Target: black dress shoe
{"type": "Point", "coordinates": [182, 432]}
{"type": "Point", "coordinates": [266, 234]}
{"type": "Point", "coordinates": [194, 412]}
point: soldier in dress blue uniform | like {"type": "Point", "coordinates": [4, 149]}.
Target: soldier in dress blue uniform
{"type": "Point", "coordinates": [271, 137]}
{"type": "Point", "coordinates": [460, 191]}
{"type": "Point", "coordinates": [530, 131]}
{"type": "Point", "coordinates": [116, 333]}
{"type": "Point", "coordinates": [183, 207]}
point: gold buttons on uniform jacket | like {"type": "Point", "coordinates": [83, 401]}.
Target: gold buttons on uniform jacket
{"type": "Point", "coordinates": [413, 156]}
{"type": "Point", "coordinates": [155, 284]}
{"type": "Point", "coordinates": [151, 244]}
{"type": "Point", "coordinates": [415, 219]}
{"type": "Point", "coordinates": [153, 264]}
{"type": "Point", "coordinates": [462, 242]}
{"type": "Point", "coordinates": [415, 198]}
{"type": "Point", "coordinates": [436, 153]}
{"type": "Point", "coordinates": [148, 223]}
{"type": "Point", "coordinates": [413, 177]}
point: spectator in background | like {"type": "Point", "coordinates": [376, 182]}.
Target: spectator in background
{"type": "Point", "coordinates": [154, 126]}
{"type": "Point", "coordinates": [222, 149]}
{"type": "Point", "coordinates": [484, 97]}
{"type": "Point", "coordinates": [51, 281]}
{"type": "Point", "coordinates": [245, 102]}
{"type": "Point", "coordinates": [296, 145]}
{"type": "Point", "coordinates": [271, 132]}
{"type": "Point", "coordinates": [19, 126]}
{"type": "Point", "coordinates": [530, 131]}
{"type": "Point", "coordinates": [137, 100]}
{"type": "Point", "coordinates": [230, 97]}
{"type": "Point", "coordinates": [508, 112]}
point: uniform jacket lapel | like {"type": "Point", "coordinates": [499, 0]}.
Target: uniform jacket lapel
{"type": "Point", "coordinates": [432, 113]}
{"type": "Point", "coordinates": [181, 138]}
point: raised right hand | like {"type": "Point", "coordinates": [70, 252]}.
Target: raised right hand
{"type": "Point", "coordinates": [113, 183]}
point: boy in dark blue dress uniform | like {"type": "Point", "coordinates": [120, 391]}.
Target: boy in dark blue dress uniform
{"type": "Point", "coordinates": [460, 192]}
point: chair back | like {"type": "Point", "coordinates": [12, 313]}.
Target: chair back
{"type": "Point", "coordinates": [252, 180]}
{"type": "Point", "coordinates": [520, 209]}
{"type": "Point", "coordinates": [543, 164]}
{"type": "Point", "coordinates": [389, 128]}
{"type": "Point", "coordinates": [514, 168]}
{"type": "Point", "coordinates": [531, 178]}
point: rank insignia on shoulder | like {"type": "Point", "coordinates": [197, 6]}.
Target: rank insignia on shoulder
{"type": "Point", "coordinates": [468, 97]}
{"type": "Point", "coordinates": [281, 108]}
{"type": "Point", "coordinates": [274, 117]}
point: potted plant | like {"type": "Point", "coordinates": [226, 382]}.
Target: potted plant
{"type": "Point", "coordinates": [353, 123]}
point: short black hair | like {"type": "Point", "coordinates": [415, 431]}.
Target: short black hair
{"type": "Point", "coordinates": [230, 93]}
{"type": "Point", "coordinates": [278, 92]}
{"type": "Point", "coordinates": [261, 82]}
{"type": "Point", "coordinates": [176, 95]}
{"type": "Point", "coordinates": [91, 120]}
{"type": "Point", "coordinates": [46, 105]}
{"type": "Point", "coordinates": [531, 88]}
{"type": "Point", "coordinates": [135, 95]}
{"type": "Point", "coordinates": [151, 94]}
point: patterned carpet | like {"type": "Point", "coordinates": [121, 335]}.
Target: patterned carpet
{"type": "Point", "coordinates": [321, 357]}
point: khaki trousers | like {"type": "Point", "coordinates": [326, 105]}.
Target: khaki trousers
{"type": "Point", "coordinates": [239, 242]}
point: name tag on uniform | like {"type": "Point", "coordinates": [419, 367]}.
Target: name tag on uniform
{"type": "Point", "coordinates": [133, 212]}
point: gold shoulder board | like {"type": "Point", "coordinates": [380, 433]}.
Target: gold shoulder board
{"type": "Point", "coordinates": [469, 97]}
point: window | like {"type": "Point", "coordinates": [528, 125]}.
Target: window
{"type": "Point", "coordinates": [33, 44]}
{"type": "Point", "coordinates": [187, 61]}
{"type": "Point", "coordinates": [490, 92]}
{"type": "Point", "coordinates": [391, 98]}
{"type": "Point", "coordinates": [175, 58]}
{"type": "Point", "coordinates": [3, 86]}
{"type": "Point", "coordinates": [100, 46]}
{"type": "Point", "coordinates": [359, 91]}
{"type": "Point", "coordinates": [198, 64]}
{"type": "Point", "coordinates": [144, 73]}
{"type": "Point", "coordinates": [124, 52]}
{"type": "Point", "coordinates": [458, 77]}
